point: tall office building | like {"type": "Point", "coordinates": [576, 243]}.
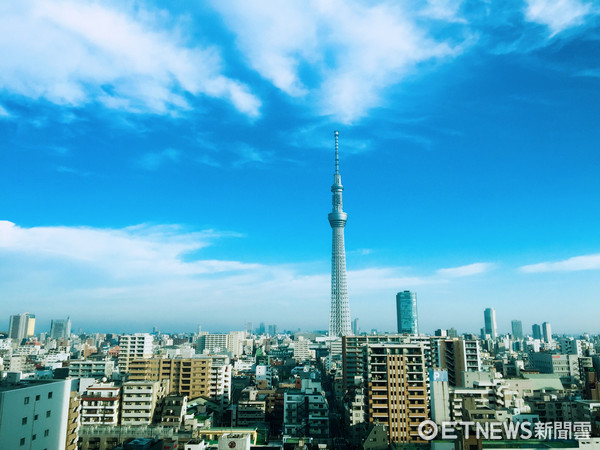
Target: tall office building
{"type": "Point", "coordinates": [339, 317]}
{"type": "Point", "coordinates": [406, 311]}
{"type": "Point", "coordinates": [60, 329]}
{"type": "Point", "coordinates": [547, 332]}
{"type": "Point", "coordinates": [490, 322]}
{"type": "Point", "coordinates": [517, 329]}
{"type": "Point", "coordinates": [536, 331]}
{"type": "Point", "coordinates": [21, 326]}
{"type": "Point", "coordinates": [355, 327]}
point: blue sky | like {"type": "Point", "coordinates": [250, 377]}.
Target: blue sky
{"type": "Point", "coordinates": [169, 164]}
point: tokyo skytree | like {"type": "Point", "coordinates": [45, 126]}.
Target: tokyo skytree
{"type": "Point", "coordinates": [339, 317]}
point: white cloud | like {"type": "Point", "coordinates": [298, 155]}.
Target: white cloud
{"type": "Point", "coordinates": [352, 50]}
{"type": "Point", "coordinates": [557, 15]}
{"type": "Point", "coordinates": [463, 271]}
{"type": "Point", "coordinates": [576, 263]}
{"type": "Point", "coordinates": [75, 53]}
{"type": "Point", "coordinates": [447, 10]}
{"type": "Point", "coordinates": [154, 272]}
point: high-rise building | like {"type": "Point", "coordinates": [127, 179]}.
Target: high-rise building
{"type": "Point", "coordinates": [355, 348]}
{"type": "Point", "coordinates": [397, 389]}
{"type": "Point", "coordinates": [60, 329]}
{"type": "Point", "coordinates": [214, 343]}
{"type": "Point", "coordinates": [355, 327]}
{"type": "Point", "coordinates": [21, 326]}
{"type": "Point", "coordinates": [517, 329]}
{"type": "Point", "coordinates": [134, 346]}
{"type": "Point", "coordinates": [406, 311]}
{"type": "Point", "coordinates": [457, 355]}
{"type": "Point", "coordinates": [536, 331]}
{"type": "Point", "coordinates": [547, 332]}
{"type": "Point", "coordinates": [339, 317]}
{"type": "Point", "coordinates": [490, 322]}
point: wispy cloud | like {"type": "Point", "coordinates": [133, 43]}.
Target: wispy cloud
{"type": "Point", "coordinates": [72, 171]}
{"type": "Point", "coordinates": [127, 59]}
{"type": "Point", "coordinates": [4, 114]}
{"type": "Point", "coordinates": [248, 154]}
{"type": "Point", "coordinates": [467, 270]}
{"type": "Point", "coordinates": [342, 54]}
{"type": "Point", "coordinates": [153, 160]}
{"type": "Point", "coordinates": [557, 15]}
{"type": "Point", "coordinates": [576, 263]}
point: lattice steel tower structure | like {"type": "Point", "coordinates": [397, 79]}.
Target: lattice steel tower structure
{"type": "Point", "coordinates": [339, 317]}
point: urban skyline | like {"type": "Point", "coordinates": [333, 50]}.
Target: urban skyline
{"type": "Point", "coordinates": [147, 171]}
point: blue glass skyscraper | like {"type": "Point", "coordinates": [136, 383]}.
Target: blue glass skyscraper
{"type": "Point", "coordinates": [406, 310]}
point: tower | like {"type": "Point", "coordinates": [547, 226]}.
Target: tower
{"type": "Point", "coordinates": [547, 332]}
{"type": "Point", "coordinates": [490, 322]}
{"type": "Point", "coordinates": [406, 310]}
{"type": "Point", "coordinates": [517, 329]}
{"type": "Point", "coordinates": [339, 317]}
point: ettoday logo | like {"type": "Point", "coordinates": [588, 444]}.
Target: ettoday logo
{"type": "Point", "coordinates": [429, 430]}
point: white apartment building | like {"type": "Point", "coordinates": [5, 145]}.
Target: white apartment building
{"type": "Point", "coordinates": [215, 343]}
{"type": "Point", "coordinates": [88, 368]}
{"type": "Point", "coordinates": [100, 404]}
{"type": "Point", "coordinates": [134, 346]}
{"type": "Point", "coordinates": [33, 413]}
{"type": "Point", "coordinates": [220, 379]}
{"type": "Point", "coordinates": [138, 401]}
{"type": "Point", "coordinates": [302, 351]}
{"type": "Point", "coordinates": [235, 344]}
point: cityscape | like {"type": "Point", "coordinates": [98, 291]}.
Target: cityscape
{"type": "Point", "coordinates": [167, 274]}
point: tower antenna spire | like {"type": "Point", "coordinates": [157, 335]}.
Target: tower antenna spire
{"type": "Point", "coordinates": [337, 152]}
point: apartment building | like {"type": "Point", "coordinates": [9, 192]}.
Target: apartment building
{"type": "Point", "coordinates": [139, 400]}
{"type": "Point", "coordinates": [100, 404]}
{"type": "Point", "coordinates": [397, 389]}
{"type": "Point", "coordinates": [191, 377]}
{"type": "Point", "coordinates": [132, 347]}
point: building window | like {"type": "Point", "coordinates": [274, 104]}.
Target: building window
{"type": "Point", "coordinates": [36, 417]}
{"type": "Point", "coordinates": [26, 401]}
{"type": "Point", "coordinates": [37, 397]}
{"type": "Point", "coordinates": [22, 442]}
{"type": "Point", "coordinates": [24, 421]}
{"type": "Point", "coordinates": [48, 413]}
{"type": "Point", "coordinates": [46, 433]}
{"type": "Point", "coordinates": [34, 437]}
{"type": "Point", "coordinates": [49, 394]}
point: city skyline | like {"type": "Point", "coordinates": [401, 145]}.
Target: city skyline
{"type": "Point", "coordinates": [146, 170]}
